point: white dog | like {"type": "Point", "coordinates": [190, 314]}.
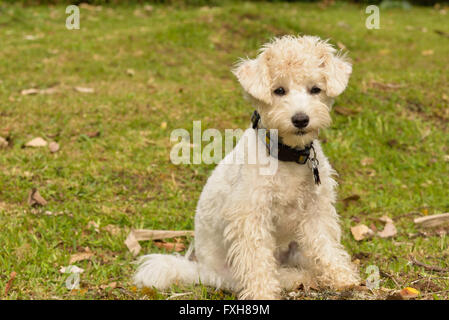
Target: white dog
{"type": "Point", "coordinates": [257, 234]}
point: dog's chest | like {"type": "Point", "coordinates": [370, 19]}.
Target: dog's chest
{"type": "Point", "coordinates": [293, 192]}
{"type": "Point", "coordinates": [292, 185]}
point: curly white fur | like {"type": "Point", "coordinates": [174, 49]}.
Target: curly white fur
{"type": "Point", "coordinates": [258, 234]}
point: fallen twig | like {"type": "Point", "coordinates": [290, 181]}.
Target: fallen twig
{"type": "Point", "coordinates": [385, 274]}
{"type": "Point", "coordinates": [177, 295]}
{"type": "Point", "coordinates": [432, 221]}
{"type": "Point", "coordinates": [427, 266]}
{"type": "Point", "coordinates": [136, 235]}
{"type": "Point", "coordinates": [427, 278]}
{"type": "Point", "coordinates": [435, 292]}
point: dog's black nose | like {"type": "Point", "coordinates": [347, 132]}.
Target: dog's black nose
{"type": "Point", "coordinates": [300, 120]}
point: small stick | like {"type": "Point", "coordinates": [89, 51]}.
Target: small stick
{"type": "Point", "coordinates": [436, 292]}
{"type": "Point", "coordinates": [385, 274]}
{"type": "Point", "coordinates": [428, 267]}
{"type": "Point", "coordinates": [177, 295]}
{"type": "Point", "coordinates": [432, 221]}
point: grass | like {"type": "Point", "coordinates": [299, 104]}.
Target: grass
{"type": "Point", "coordinates": [180, 58]}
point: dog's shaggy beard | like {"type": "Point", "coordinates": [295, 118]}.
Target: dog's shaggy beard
{"type": "Point", "coordinates": [273, 118]}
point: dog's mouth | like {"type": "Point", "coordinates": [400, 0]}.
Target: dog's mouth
{"type": "Point", "coordinates": [301, 132]}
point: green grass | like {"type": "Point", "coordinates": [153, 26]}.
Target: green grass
{"type": "Point", "coordinates": [181, 59]}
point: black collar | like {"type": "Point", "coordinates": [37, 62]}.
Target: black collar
{"type": "Point", "coordinates": [287, 153]}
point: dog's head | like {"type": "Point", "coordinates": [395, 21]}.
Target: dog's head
{"type": "Point", "coordinates": [292, 82]}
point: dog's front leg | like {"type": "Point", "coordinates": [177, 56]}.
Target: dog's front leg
{"type": "Point", "coordinates": [322, 252]}
{"type": "Point", "coordinates": [251, 256]}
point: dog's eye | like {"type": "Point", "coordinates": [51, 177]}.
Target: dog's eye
{"type": "Point", "coordinates": [315, 90]}
{"type": "Point", "coordinates": [279, 91]}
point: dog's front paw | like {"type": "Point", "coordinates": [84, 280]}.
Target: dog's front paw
{"type": "Point", "coordinates": [247, 295]}
{"type": "Point", "coordinates": [265, 292]}
{"type": "Point", "coordinates": [341, 279]}
{"type": "Point", "coordinates": [291, 279]}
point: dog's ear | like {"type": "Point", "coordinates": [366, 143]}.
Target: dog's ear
{"type": "Point", "coordinates": [337, 72]}
{"type": "Point", "coordinates": [253, 76]}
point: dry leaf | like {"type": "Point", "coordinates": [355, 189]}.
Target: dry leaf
{"type": "Point", "coordinates": [93, 224]}
{"type": "Point", "coordinates": [392, 142]}
{"type": "Point", "coordinates": [139, 53]}
{"type": "Point", "coordinates": [6, 132]}
{"type": "Point", "coordinates": [367, 161]}
{"type": "Point", "coordinates": [111, 285]}
{"type": "Point", "coordinates": [130, 72]}
{"type": "Point", "coordinates": [164, 125]}
{"type": "Point", "coordinates": [427, 52]}
{"type": "Point", "coordinates": [138, 13]}
{"type": "Point", "coordinates": [409, 293]}
{"type": "Point", "coordinates": [170, 246]}
{"type": "Point", "coordinates": [386, 219]}
{"type": "Point", "coordinates": [132, 244]}
{"type": "Point", "coordinates": [341, 46]}
{"type": "Point", "coordinates": [80, 257]}
{"type": "Point", "coordinates": [76, 292]}
{"type": "Point", "coordinates": [354, 197]}
{"type": "Point", "coordinates": [84, 90]}
{"type": "Point", "coordinates": [389, 229]}
{"type": "Point", "coordinates": [30, 37]}
{"type": "Point", "coordinates": [93, 134]}
{"type": "Point", "coordinates": [348, 200]}
{"type": "Point", "coordinates": [36, 143]}
{"type": "Point", "coordinates": [71, 269]}
{"type": "Point", "coordinates": [3, 142]}
{"type": "Point", "coordinates": [89, 7]}
{"type": "Point", "coordinates": [361, 232]}
{"type": "Point", "coordinates": [432, 221]}
{"type": "Point", "coordinates": [12, 276]}
{"type": "Point", "coordinates": [112, 229]}
{"type": "Point", "coordinates": [53, 146]}
{"type": "Point", "coordinates": [35, 199]}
